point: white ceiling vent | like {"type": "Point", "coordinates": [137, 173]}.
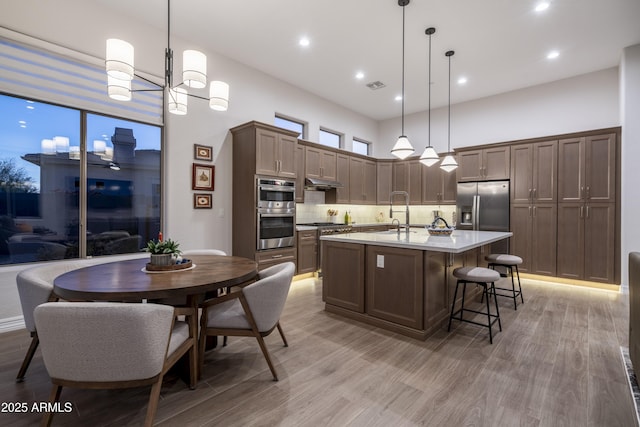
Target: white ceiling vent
{"type": "Point", "coordinates": [375, 85]}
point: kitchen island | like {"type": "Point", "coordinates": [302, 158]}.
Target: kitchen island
{"type": "Point", "coordinates": [401, 282]}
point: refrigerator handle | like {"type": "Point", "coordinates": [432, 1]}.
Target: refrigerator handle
{"type": "Point", "coordinates": [476, 213]}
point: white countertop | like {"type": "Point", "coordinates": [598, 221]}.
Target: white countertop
{"type": "Point", "coordinates": [419, 238]}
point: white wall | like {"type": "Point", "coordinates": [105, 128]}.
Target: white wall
{"type": "Point", "coordinates": [589, 101]}
{"type": "Point", "coordinates": [630, 112]}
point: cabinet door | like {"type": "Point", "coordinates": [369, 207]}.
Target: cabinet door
{"type": "Point", "coordinates": [300, 173]}
{"type": "Point", "coordinates": [312, 162]}
{"type": "Point", "coordinates": [356, 179]}
{"type": "Point", "coordinates": [266, 152]}
{"type": "Point", "coordinates": [521, 223]}
{"type": "Point", "coordinates": [600, 168]}
{"type": "Point", "coordinates": [543, 239]}
{"type": "Point", "coordinates": [521, 173]}
{"type": "Point", "coordinates": [571, 240]}
{"type": "Point", "coordinates": [435, 302]}
{"type": "Point", "coordinates": [394, 285]}
{"type": "Point", "coordinates": [307, 251]}
{"type": "Point", "coordinates": [599, 243]}
{"type": "Point", "coordinates": [432, 184]}
{"type": "Point", "coordinates": [287, 146]}
{"type": "Point", "coordinates": [328, 165]}
{"type": "Point", "coordinates": [571, 170]}
{"type": "Point", "coordinates": [449, 187]}
{"type": "Point", "coordinates": [369, 184]}
{"type": "Point", "coordinates": [401, 176]}
{"type": "Point", "coordinates": [545, 170]}
{"type": "Point", "coordinates": [343, 275]}
{"type": "Point", "coordinates": [415, 182]}
{"type": "Point", "coordinates": [342, 175]}
{"type": "Point", "coordinates": [469, 165]}
{"type": "Point", "coordinates": [384, 178]}
{"type": "Point", "coordinates": [495, 163]}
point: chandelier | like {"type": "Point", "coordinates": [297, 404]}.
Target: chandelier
{"type": "Point", "coordinates": [119, 64]}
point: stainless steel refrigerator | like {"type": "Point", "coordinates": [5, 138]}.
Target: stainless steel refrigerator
{"type": "Point", "coordinates": [484, 206]}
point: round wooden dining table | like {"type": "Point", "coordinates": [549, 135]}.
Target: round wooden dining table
{"type": "Point", "coordinates": [128, 280]}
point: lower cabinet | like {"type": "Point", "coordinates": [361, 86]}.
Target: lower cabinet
{"type": "Point", "coordinates": [275, 256]}
{"type": "Point", "coordinates": [535, 237]}
{"type": "Point", "coordinates": [343, 282]}
{"type": "Point", "coordinates": [307, 251]}
{"type": "Point", "coordinates": [394, 285]}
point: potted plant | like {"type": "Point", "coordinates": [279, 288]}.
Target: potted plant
{"type": "Point", "coordinates": [163, 252]}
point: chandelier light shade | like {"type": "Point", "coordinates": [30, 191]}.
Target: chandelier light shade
{"type": "Point", "coordinates": [194, 69]}
{"type": "Point", "coordinates": [120, 72]}
{"type": "Point", "coordinates": [403, 148]}
{"type": "Point", "coordinates": [119, 60]}
{"type": "Point", "coordinates": [449, 163]}
{"type": "Point", "coordinates": [429, 156]}
{"type": "Point", "coordinates": [218, 95]}
{"type": "Point", "coordinates": [118, 89]}
{"type": "Point", "coordinates": [177, 103]}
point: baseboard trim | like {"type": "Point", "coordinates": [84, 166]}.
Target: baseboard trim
{"type": "Point", "coordinates": [572, 282]}
{"type": "Point", "coordinates": [11, 324]}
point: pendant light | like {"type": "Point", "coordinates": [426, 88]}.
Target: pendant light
{"type": "Point", "coordinates": [449, 163]}
{"type": "Point", "coordinates": [429, 156]}
{"type": "Point", "coordinates": [403, 148]}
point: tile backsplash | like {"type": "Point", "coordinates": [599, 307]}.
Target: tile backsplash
{"type": "Point", "coordinates": [369, 214]}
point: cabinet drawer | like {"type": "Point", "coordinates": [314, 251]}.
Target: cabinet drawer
{"type": "Point", "coordinates": [268, 258]}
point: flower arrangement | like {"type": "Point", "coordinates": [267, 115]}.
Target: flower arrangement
{"type": "Point", "coordinates": [332, 212]}
{"type": "Point", "coordinates": [157, 247]}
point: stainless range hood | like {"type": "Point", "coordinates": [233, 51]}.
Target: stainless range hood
{"type": "Point", "coordinates": [321, 184]}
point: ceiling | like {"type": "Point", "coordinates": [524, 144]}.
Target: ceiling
{"type": "Point", "coordinates": [500, 45]}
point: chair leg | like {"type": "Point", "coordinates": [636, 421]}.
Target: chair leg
{"type": "Point", "coordinates": [493, 286]}
{"type": "Point", "coordinates": [519, 285]}
{"type": "Point", "coordinates": [265, 352]}
{"type": "Point", "coordinates": [152, 407]}
{"type": "Point", "coordinates": [453, 305]}
{"type": "Point", "coordinates": [284, 340]}
{"type": "Point", "coordinates": [54, 396]}
{"type": "Point", "coordinates": [28, 357]}
{"type": "Point", "coordinates": [485, 291]}
{"type": "Point", "coordinates": [513, 289]}
{"type": "Point", "coordinates": [202, 342]}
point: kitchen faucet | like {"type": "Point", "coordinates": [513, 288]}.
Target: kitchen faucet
{"type": "Point", "coordinates": [406, 207]}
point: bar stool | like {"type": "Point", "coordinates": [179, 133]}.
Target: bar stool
{"type": "Point", "coordinates": [484, 277]}
{"type": "Point", "coordinates": [507, 261]}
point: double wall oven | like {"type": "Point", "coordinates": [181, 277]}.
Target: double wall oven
{"type": "Point", "coordinates": [276, 210]}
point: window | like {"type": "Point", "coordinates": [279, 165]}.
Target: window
{"type": "Point", "coordinates": [41, 182]}
{"type": "Point", "coordinates": [290, 124]}
{"type": "Point", "coordinates": [329, 138]}
{"type": "Point", "coordinates": [361, 147]}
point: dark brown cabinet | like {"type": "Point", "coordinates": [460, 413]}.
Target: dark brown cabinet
{"type": "Point", "coordinates": [343, 283]}
{"type": "Point", "coordinates": [362, 181]}
{"type": "Point", "coordinates": [342, 175]}
{"type": "Point", "coordinates": [438, 186]}
{"type": "Point", "coordinates": [484, 164]}
{"type": "Point", "coordinates": [275, 153]}
{"type": "Point", "coordinates": [320, 163]}
{"type": "Point", "coordinates": [307, 251]}
{"type": "Point", "coordinates": [407, 176]}
{"type": "Point", "coordinates": [535, 237]}
{"type": "Point", "coordinates": [384, 181]}
{"type": "Point", "coordinates": [299, 173]}
{"type": "Point", "coordinates": [534, 169]}
{"type": "Point", "coordinates": [394, 285]}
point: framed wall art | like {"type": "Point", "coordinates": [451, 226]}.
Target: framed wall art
{"type": "Point", "coordinates": [203, 177]}
{"type": "Point", "coordinates": [202, 152]}
{"type": "Point", "coordinates": [202, 201]}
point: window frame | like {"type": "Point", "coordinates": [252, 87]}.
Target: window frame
{"type": "Point", "coordinates": [302, 123]}
{"type": "Point", "coordinates": [325, 130]}
{"type": "Point", "coordinates": [361, 141]}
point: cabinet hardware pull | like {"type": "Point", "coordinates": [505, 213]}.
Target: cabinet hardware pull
{"type": "Point", "coordinates": [581, 211]}
{"type": "Point", "coordinates": [529, 210]}
{"type": "Point", "coordinates": [582, 192]}
{"type": "Point", "coordinates": [276, 256]}
{"type": "Point", "coordinates": [588, 194]}
{"type": "Point", "coordinates": [530, 197]}
{"type": "Point", "coordinates": [534, 211]}
{"type": "Point", "coordinates": [535, 193]}
{"type": "Point", "coordinates": [587, 211]}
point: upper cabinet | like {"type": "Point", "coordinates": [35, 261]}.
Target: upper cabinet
{"type": "Point", "coordinates": [587, 169]}
{"type": "Point", "coordinates": [362, 181]}
{"type": "Point", "coordinates": [485, 164]}
{"type": "Point", "coordinates": [438, 186]}
{"type": "Point", "coordinates": [299, 173]}
{"type": "Point", "coordinates": [320, 163]}
{"type": "Point", "coordinates": [384, 181]}
{"type": "Point", "coordinates": [275, 153]}
{"type": "Point", "coordinates": [407, 176]}
{"type": "Point", "coordinates": [342, 175]}
{"type": "Point", "coordinates": [534, 169]}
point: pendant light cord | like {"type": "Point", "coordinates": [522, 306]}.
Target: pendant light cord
{"type": "Point", "coordinates": [449, 54]}
{"type": "Point", "coordinates": [429, 93]}
{"type": "Point", "coordinates": [403, 7]}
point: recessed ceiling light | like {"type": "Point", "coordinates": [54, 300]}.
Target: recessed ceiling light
{"type": "Point", "coordinates": [542, 6]}
{"type": "Point", "coordinates": [304, 41]}
{"type": "Point", "coordinates": [398, 98]}
{"type": "Point", "coordinates": [462, 80]}
{"type": "Point", "coordinates": [359, 75]}
{"type": "Point", "coordinates": [553, 54]}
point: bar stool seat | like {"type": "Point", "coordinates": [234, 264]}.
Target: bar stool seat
{"type": "Point", "coordinates": [484, 277]}
{"type": "Point", "coordinates": [509, 262]}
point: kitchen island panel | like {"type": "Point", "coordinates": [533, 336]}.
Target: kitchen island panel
{"type": "Point", "coordinates": [343, 269]}
{"type": "Point", "coordinates": [394, 285]}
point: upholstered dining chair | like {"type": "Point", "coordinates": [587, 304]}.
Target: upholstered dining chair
{"type": "Point", "coordinates": [252, 311]}
{"type": "Point", "coordinates": [35, 287]}
{"type": "Point", "coordinates": [106, 345]}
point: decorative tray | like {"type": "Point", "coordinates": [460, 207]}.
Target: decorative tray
{"type": "Point", "coordinates": [172, 267]}
{"type": "Point", "coordinates": [439, 230]}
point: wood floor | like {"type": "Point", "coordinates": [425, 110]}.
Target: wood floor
{"type": "Point", "coordinates": [557, 362]}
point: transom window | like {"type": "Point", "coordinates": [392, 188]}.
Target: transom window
{"type": "Point", "coordinates": [330, 138]}
{"type": "Point", "coordinates": [361, 147]}
{"type": "Point", "coordinates": [290, 124]}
